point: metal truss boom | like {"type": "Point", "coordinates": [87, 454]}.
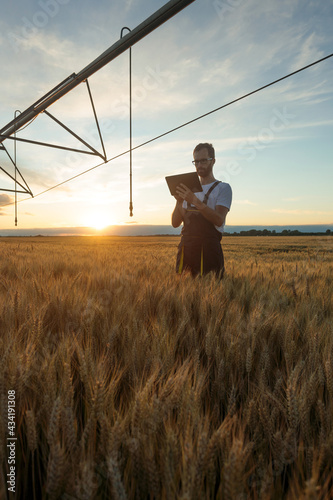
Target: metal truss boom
{"type": "Point", "coordinates": [170, 9]}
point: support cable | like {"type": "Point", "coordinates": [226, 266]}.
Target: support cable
{"type": "Point", "coordinates": [234, 101]}
{"type": "Point", "coordinates": [130, 123]}
{"type": "Point", "coordinates": [181, 126]}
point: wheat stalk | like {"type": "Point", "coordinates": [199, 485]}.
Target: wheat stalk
{"type": "Point", "coordinates": [132, 373]}
{"type": "Point", "coordinates": [31, 430]}
{"type": "Point", "coordinates": [55, 471]}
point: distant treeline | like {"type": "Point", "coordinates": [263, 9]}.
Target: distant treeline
{"type": "Point", "coordinates": [285, 232]}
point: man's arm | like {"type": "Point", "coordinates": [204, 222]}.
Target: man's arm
{"type": "Point", "coordinates": [217, 216]}
{"type": "Point", "coordinates": [178, 214]}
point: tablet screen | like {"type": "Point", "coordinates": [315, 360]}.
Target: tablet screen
{"type": "Point", "coordinates": [191, 181]}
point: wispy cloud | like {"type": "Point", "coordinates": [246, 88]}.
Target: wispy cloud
{"type": "Point", "coordinates": [299, 212]}
{"type": "Point", "coordinates": [5, 200]}
{"type": "Point", "coordinates": [244, 202]}
{"type": "Point", "coordinates": [311, 124]}
{"type": "Point", "coordinates": [297, 198]}
{"type": "Point", "coordinates": [309, 50]}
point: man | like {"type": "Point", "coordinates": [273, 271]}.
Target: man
{"type": "Point", "coordinates": [203, 215]}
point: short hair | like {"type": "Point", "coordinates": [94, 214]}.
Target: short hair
{"type": "Point", "coordinates": [209, 147]}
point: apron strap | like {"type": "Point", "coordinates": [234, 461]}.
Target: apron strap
{"type": "Point", "coordinates": [209, 191]}
{"type": "Point", "coordinates": [205, 198]}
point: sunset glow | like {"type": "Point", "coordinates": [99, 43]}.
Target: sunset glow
{"type": "Point", "coordinates": [274, 147]}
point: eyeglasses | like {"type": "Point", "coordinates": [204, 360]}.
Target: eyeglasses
{"type": "Point", "coordinates": [203, 162]}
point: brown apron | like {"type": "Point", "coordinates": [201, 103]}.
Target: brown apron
{"type": "Point", "coordinates": [200, 248]}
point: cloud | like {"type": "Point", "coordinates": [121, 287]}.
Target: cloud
{"type": "Point", "coordinates": [309, 94]}
{"type": "Point", "coordinates": [309, 50]}
{"type": "Point", "coordinates": [128, 5]}
{"type": "Point", "coordinates": [5, 200]}
{"type": "Point", "coordinates": [244, 202]}
{"type": "Point", "coordinates": [322, 123]}
{"type": "Point", "coordinates": [297, 198]}
{"type": "Point", "coordinates": [299, 212]}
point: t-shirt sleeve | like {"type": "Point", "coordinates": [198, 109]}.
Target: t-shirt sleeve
{"type": "Point", "coordinates": [224, 197]}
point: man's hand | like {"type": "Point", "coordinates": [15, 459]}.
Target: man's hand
{"type": "Point", "coordinates": [178, 213]}
{"type": "Point", "coordinates": [216, 217]}
{"type": "Point", "coordinates": [184, 193]}
{"type": "Point", "coordinates": [178, 198]}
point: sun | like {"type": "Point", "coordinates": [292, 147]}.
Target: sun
{"type": "Point", "coordinates": [101, 224]}
{"type": "Point", "coordinates": [99, 220]}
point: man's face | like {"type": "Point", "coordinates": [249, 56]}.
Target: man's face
{"type": "Point", "coordinates": [203, 164]}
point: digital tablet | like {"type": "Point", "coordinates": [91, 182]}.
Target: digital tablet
{"type": "Point", "coordinates": [191, 181]}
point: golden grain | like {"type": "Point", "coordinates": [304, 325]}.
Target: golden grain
{"type": "Point", "coordinates": [132, 382]}
{"type": "Point", "coordinates": [31, 430]}
{"type": "Point", "coordinates": [55, 471]}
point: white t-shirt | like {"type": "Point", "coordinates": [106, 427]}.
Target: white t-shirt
{"type": "Point", "coordinates": [221, 195]}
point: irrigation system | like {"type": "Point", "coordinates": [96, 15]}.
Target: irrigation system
{"type": "Point", "coordinates": [23, 119]}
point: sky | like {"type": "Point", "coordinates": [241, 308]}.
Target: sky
{"type": "Point", "coordinates": [274, 148]}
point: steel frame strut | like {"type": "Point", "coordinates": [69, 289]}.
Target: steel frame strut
{"type": "Point", "coordinates": [26, 189]}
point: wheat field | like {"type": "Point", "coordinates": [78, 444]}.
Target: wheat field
{"type": "Point", "coordinates": [134, 383]}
